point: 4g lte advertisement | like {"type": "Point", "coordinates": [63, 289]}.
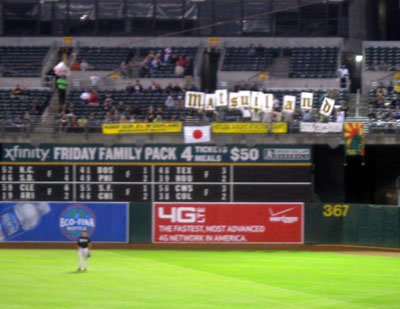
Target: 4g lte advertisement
{"type": "Point", "coordinates": [228, 223]}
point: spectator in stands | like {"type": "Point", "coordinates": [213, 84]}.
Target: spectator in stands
{"type": "Point", "coordinates": [136, 110]}
{"type": "Point", "coordinates": [70, 110]}
{"type": "Point", "coordinates": [82, 122]}
{"type": "Point", "coordinates": [168, 89]}
{"type": "Point", "coordinates": [372, 114]}
{"type": "Point", "coordinates": [158, 118]}
{"type": "Point", "coordinates": [108, 118]}
{"type": "Point", "coordinates": [383, 66]}
{"type": "Point", "coordinates": [34, 109]}
{"type": "Point", "coordinates": [277, 115]}
{"type": "Point", "coordinates": [94, 98]}
{"type": "Point", "coordinates": [62, 85]}
{"type": "Point", "coordinates": [154, 88]}
{"type": "Point", "coordinates": [123, 119]}
{"type": "Point", "coordinates": [256, 115]}
{"type": "Point", "coordinates": [251, 51]}
{"type": "Point", "coordinates": [123, 70]}
{"type": "Point", "coordinates": [108, 98]}
{"type": "Point", "coordinates": [92, 122]}
{"type": "Point", "coordinates": [85, 95]}
{"type": "Point", "coordinates": [63, 123]}
{"type": "Point", "coordinates": [167, 55]}
{"type": "Point", "coordinates": [180, 66]}
{"type": "Point", "coordinates": [150, 114]}
{"type": "Point", "coordinates": [375, 66]}
{"type": "Point", "coordinates": [156, 63]}
{"type": "Point", "coordinates": [170, 102]}
{"type": "Point", "coordinates": [390, 88]}
{"type": "Point", "coordinates": [75, 66]}
{"type": "Point", "coordinates": [121, 107]}
{"type": "Point", "coordinates": [130, 67]}
{"type": "Point", "coordinates": [192, 88]}
{"type": "Point", "coordinates": [73, 123]}
{"type": "Point", "coordinates": [259, 50]}
{"type": "Point", "coordinates": [254, 87]}
{"type": "Point", "coordinates": [174, 58]}
{"type": "Point", "coordinates": [237, 87]}
{"type": "Point", "coordinates": [84, 65]}
{"type": "Point", "coordinates": [307, 115]}
{"type": "Point", "coordinates": [246, 114]}
{"type": "Point", "coordinates": [180, 103]}
{"type": "Point", "coordinates": [344, 76]}
{"type": "Point", "coordinates": [130, 89]}
{"type": "Point", "coordinates": [144, 70]}
{"type": "Point", "coordinates": [94, 80]}
{"type": "Point", "coordinates": [26, 121]}
{"type": "Point", "coordinates": [17, 122]}
{"type": "Point", "coordinates": [159, 111]}
{"type": "Point", "coordinates": [340, 114]}
{"type": "Point", "coordinates": [188, 72]}
{"type": "Point", "coordinates": [177, 88]}
{"type": "Point", "coordinates": [116, 116]}
{"type": "Point", "coordinates": [132, 119]}
{"type": "Point", "coordinates": [17, 91]}
{"type": "Point", "coordinates": [138, 87]}
{"type": "Point", "coordinates": [266, 117]}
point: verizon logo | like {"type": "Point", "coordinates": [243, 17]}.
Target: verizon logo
{"type": "Point", "coordinates": [279, 217]}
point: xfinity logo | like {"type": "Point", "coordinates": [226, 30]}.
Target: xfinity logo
{"type": "Point", "coordinates": [17, 153]}
{"type": "Point", "coordinates": [183, 214]}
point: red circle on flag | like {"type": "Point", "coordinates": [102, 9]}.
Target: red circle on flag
{"type": "Point", "coordinates": [197, 134]}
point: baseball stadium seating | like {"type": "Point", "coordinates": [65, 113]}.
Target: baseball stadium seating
{"type": "Point", "coordinates": [313, 62]}
{"type": "Point", "coordinates": [391, 56]}
{"type": "Point", "coordinates": [167, 70]}
{"type": "Point", "coordinates": [22, 61]}
{"type": "Point", "coordinates": [11, 106]}
{"type": "Point", "coordinates": [105, 58]}
{"type": "Point", "coordinates": [239, 59]}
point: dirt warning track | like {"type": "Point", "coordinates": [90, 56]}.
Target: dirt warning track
{"type": "Point", "coordinates": [376, 251]}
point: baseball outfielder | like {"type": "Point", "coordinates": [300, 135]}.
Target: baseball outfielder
{"type": "Point", "coordinates": [84, 245]}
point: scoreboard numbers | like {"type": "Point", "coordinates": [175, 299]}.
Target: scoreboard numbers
{"type": "Point", "coordinates": [154, 182]}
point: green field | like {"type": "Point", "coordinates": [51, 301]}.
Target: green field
{"type": "Point", "coordinates": [197, 279]}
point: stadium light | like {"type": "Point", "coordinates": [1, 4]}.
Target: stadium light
{"type": "Point", "coordinates": [359, 58]}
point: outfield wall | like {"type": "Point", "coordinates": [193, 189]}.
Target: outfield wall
{"type": "Point", "coordinates": [350, 224]}
{"type": "Point", "coordinates": [202, 223]}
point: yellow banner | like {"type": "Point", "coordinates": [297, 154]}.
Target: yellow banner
{"type": "Point", "coordinates": [248, 127]}
{"type": "Point", "coordinates": [279, 127]}
{"type": "Point", "coordinates": [142, 127]}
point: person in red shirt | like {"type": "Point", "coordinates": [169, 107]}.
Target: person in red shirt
{"type": "Point", "coordinates": [180, 66]}
{"type": "Point", "coordinates": [94, 98]}
{"type": "Point", "coordinates": [75, 66]}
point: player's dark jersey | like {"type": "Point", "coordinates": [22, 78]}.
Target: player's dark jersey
{"type": "Point", "coordinates": [83, 242]}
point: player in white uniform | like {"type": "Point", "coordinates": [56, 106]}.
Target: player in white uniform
{"type": "Point", "coordinates": [84, 244]}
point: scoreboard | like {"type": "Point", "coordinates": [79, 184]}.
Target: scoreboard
{"type": "Point", "coordinates": [168, 174]}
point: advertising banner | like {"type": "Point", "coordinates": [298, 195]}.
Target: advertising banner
{"type": "Point", "coordinates": [156, 153]}
{"type": "Point", "coordinates": [355, 139]}
{"type": "Point", "coordinates": [228, 222]}
{"type": "Point", "coordinates": [248, 127]}
{"type": "Point", "coordinates": [142, 127]}
{"type": "Point", "coordinates": [63, 222]}
{"type": "Point", "coordinates": [321, 127]}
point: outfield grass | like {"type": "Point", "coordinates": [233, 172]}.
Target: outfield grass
{"type": "Point", "coordinates": [197, 279]}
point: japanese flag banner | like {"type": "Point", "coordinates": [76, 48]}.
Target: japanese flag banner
{"type": "Point", "coordinates": [197, 134]}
